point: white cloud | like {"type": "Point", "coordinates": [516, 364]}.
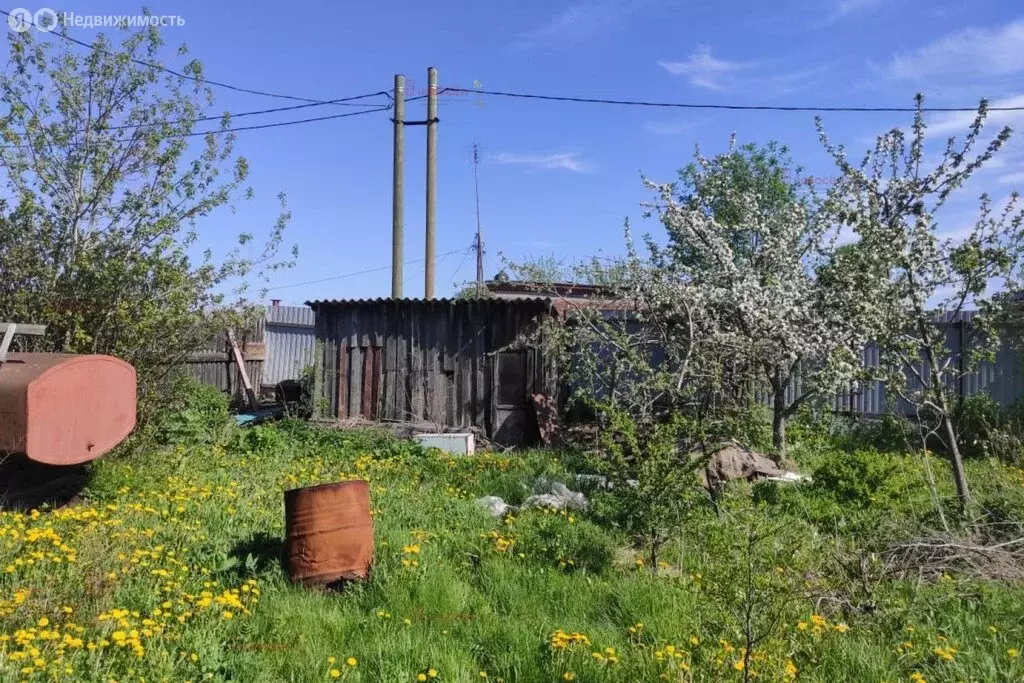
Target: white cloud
{"type": "Point", "coordinates": [959, 122]}
{"type": "Point", "coordinates": [566, 161]}
{"type": "Point", "coordinates": [972, 52]}
{"type": "Point", "coordinates": [579, 22]}
{"type": "Point", "coordinates": [704, 70]}
{"type": "Point", "coordinates": [1011, 178]}
{"type": "Point", "coordinates": [845, 8]}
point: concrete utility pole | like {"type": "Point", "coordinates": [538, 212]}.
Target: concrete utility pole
{"type": "Point", "coordinates": [431, 179]}
{"type": "Point", "coordinates": [397, 191]}
{"type": "Point", "coordinates": [479, 229]}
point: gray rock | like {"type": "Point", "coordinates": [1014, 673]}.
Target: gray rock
{"type": "Point", "coordinates": [494, 505]}
{"type": "Point", "coordinates": [557, 496]}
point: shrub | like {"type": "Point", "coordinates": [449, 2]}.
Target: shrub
{"type": "Point", "coordinates": [751, 426]}
{"type": "Point", "coordinates": [975, 417]}
{"type": "Point", "coordinates": [652, 480]}
{"type": "Point", "coordinates": [559, 537]}
{"type": "Point", "coordinates": [858, 479]}
{"type": "Point", "coordinates": [864, 492]}
{"type": "Point", "coordinates": [986, 430]}
{"type": "Point", "coordinates": [890, 432]}
{"type": "Point", "coordinates": [194, 414]}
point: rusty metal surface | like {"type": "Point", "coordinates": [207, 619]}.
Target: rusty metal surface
{"type": "Point", "coordinates": [328, 533]}
{"type": "Point", "coordinates": [63, 409]}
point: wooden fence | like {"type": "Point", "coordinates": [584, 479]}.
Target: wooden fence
{"type": "Point", "coordinates": [214, 364]}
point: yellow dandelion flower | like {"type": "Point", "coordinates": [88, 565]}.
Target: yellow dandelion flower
{"type": "Point", "coordinates": [43, 621]}
{"type": "Point", "coordinates": [421, 677]}
{"type": "Point", "coordinates": [842, 628]}
{"type": "Point", "coordinates": [432, 673]}
{"type": "Point", "coordinates": [483, 674]}
{"type": "Point", "coordinates": [334, 673]}
{"type": "Point", "coordinates": [568, 676]}
{"type": "Point", "coordinates": [1013, 653]}
{"type": "Point", "coordinates": [738, 665]}
{"type": "Point", "coordinates": [351, 661]}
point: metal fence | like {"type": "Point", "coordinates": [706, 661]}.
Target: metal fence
{"type": "Point", "coordinates": [290, 341]}
{"type": "Point", "coordinates": [1002, 378]}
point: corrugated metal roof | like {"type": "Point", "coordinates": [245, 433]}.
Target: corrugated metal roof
{"type": "Point", "coordinates": [422, 302]}
{"type": "Point", "coordinates": [291, 315]}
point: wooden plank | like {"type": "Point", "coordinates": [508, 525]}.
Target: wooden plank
{"type": "Point", "coordinates": [388, 408]}
{"type": "Point", "coordinates": [341, 383]}
{"type": "Point", "coordinates": [467, 350]}
{"type": "Point", "coordinates": [458, 356]}
{"type": "Point", "coordinates": [375, 412]}
{"type": "Point", "coordinates": [481, 394]}
{"type": "Point", "coordinates": [240, 364]}
{"type": "Point", "coordinates": [447, 348]}
{"type": "Point", "coordinates": [5, 342]}
{"type": "Point", "coordinates": [439, 381]}
{"type": "Point", "coordinates": [403, 406]}
{"type": "Point", "coordinates": [255, 350]}
{"type": "Point", "coordinates": [24, 328]}
{"type": "Point", "coordinates": [355, 375]}
{"type": "Point", "coordinates": [416, 374]}
{"type": "Point", "coordinates": [208, 357]}
{"type": "Point", "coordinates": [365, 408]}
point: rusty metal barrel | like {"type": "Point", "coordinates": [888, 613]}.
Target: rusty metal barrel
{"type": "Point", "coordinates": [328, 533]}
{"type": "Point", "coordinates": [65, 409]}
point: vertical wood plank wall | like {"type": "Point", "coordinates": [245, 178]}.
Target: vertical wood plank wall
{"type": "Point", "coordinates": [414, 360]}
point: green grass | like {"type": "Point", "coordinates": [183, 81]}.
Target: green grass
{"type": "Point", "coordinates": [182, 536]}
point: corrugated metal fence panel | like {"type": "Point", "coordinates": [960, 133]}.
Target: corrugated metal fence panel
{"type": "Point", "coordinates": [290, 340]}
{"type": "Point", "coordinates": [1002, 379]}
{"type": "Point", "coordinates": [420, 361]}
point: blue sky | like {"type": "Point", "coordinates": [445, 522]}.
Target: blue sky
{"type": "Point", "coordinates": [560, 178]}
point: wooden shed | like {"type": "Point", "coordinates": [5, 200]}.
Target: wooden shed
{"type": "Point", "coordinates": [443, 362]}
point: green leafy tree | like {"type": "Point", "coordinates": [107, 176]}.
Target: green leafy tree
{"type": "Point", "coordinates": [890, 201]}
{"type": "Point", "coordinates": [106, 178]}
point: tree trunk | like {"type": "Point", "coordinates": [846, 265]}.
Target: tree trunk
{"type": "Point", "coordinates": [963, 492]}
{"type": "Point", "coordinates": [959, 476]}
{"type": "Point", "coordinates": [779, 422]}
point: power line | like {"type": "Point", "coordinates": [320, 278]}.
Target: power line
{"type": "Point", "coordinates": [344, 101]}
{"type": "Point", "coordinates": [287, 123]}
{"type": "Point", "coordinates": [361, 272]}
{"type": "Point", "coordinates": [733, 107]}
{"type": "Point", "coordinates": [455, 273]}
{"type": "Point", "coordinates": [261, 126]}
{"type": "Point", "coordinates": [178, 74]}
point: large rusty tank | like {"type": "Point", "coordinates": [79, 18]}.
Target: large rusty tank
{"type": "Point", "coordinates": [64, 409]}
{"type": "Point", "coordinates": [329, 533]}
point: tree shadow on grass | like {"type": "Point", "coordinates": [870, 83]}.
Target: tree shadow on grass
{"type": "Point", "coordinates": [261, 553]}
